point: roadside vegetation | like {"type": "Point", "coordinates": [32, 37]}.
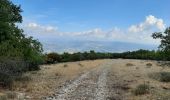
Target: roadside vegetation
{"type": "Point", "coordinates": [141, 89]}
{"type": "Point", "coordinates": [18, 53]}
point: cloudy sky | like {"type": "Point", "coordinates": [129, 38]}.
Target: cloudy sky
{"type": "Point", "coordinates": [128, 21]}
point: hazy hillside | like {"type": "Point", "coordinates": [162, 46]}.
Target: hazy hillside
{"type": "Point", "coordinates": [100, 46]}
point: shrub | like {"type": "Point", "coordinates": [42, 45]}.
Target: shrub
{"type": "Point", "coordinates": [6, 80]}
{"type": "Point", "coordinates": [155, 76]}
{"type": "Point", "coordinates": [23, 78]}
{"type": "Point", "coordinates": [65, 65]}
{"type": "Point", "coordinates": [149, 64]}
{"type": "Point", "coordinates": [80, 64]}
{"type": "Point", "coordinates": [3, 97]}
{"type": "Point", "coordinates": [129, 64]}
{"type": "Point", "coordinates": [53, 58]}
{"type": "Point", "coordinates": [12, 70]}
{"type": "Point", "coordinates": [11, 95]}
{"type": "Point", "coordinates": [165, 76]}
{"type": "Point", "coordinates": [141, 89]}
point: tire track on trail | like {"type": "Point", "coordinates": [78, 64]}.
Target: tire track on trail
{"type": "Point", "coordinates": [101, 91]}
{"type": "Point", "coordinates": [89, 86]}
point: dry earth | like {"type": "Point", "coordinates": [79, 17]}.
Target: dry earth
{"type": "Point", "coordinates": [109, 79]}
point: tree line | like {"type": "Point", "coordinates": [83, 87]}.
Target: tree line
{"type": "Point", "coordinates": [92, 55]}
{"type": "Point", "coordinates": [163, 52]}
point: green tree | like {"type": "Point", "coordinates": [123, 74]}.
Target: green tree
{"type": "Point", "coordinates": [165, 43]}
{"type": "Point", "coordinates": [53, 57]}
{"type": "Point", "coordinates": [165, 39]}
{"type": "Point", "coordinates": [13, 42]}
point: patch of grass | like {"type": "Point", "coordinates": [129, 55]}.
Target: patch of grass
{"type": "Point", "coordinates": [33, 72]}
{"type": "Point", "coordinates": [11, 95]}
{"type": "Point", "coordinates": [129, 64]}
{"type": "Point", "coordinates": [6, 80]}
{"type": "Point", "coordinates": [65, 65]}
{"type": "Point", "coordinates": [141, 89]}
{"type": "Point", "coordinates": [161, 76]}
{"type": "Point", "coordinates": [149, 65]}
{"type": "Point", "coordinates": [23, 78]}
{"type": "Point", "coordinates": [165, 76]}
{"type": "Point", "coordinates": [57, 74]}
{"type": "Point", "coordinates": [80, 65]}
{"type": "Point", "coordinates": [155, 76]}
{"type": "Point", "coordinates": [3, 97]}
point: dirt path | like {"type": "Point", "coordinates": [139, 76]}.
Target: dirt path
{"type": "Point", "coordinates": [91, 85]}
{"type": "Point", "coordinates": [109, 79]}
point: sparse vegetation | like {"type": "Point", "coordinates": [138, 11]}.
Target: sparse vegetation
{"type": "Point", "coordinates": [11, 95]}
{"type": "Point", "coordinates": [129, 64]}
{"type": "Point", "coordinates": [149, 64]}
{"type": "Point", "coordinates": [3, 97]}
{"type": "Point", "coordinates": [161, 76]}
{"type": "Point", "coordinates": [80, 64]}
{"type": "Point", "coordinates": [154, 75]}
{"type": "Point", "coordinates": [57, 74]}
{"type": "Point", "coordinates": [141, 89]}
{"type": "Point", "coordinates": [165, 76]}
{"type": "Point", "coordinates": [65, 65]}
{"type": "Point", "coordinates": [20, 53]}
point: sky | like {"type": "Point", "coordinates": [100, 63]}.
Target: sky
{"type": "Point", "coordinates": [129, 21]}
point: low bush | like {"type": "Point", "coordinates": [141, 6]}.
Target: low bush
{"type": "Point", "coordinates": [141, 89]}
{"type": "Point", "coordinates": [165, 76]}
{"type": "Point", "coordinates": [129, 64]}
{"type": "Point", "coordinates": [161, 76]}
{"type": "Point", "coordinates": [6, 80]}
{"type": "Point", "coordinates": [3, 97]}
{"type": "Point", "coordinates": [13, 70]}
{"type": "Point", "coordinates": [65, 65]}
{"type": "Point", "coordinates": [80, 65]}
{"type": "Point", "coordinates": [11, 95]}
{"type": "Point", "coordinates": [149, 64]}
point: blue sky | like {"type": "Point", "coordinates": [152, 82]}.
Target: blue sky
{"type": "Point", "coordinates": [105, 20]}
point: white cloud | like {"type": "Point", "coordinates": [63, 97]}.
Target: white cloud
{"type": "Point", "coordinates": [150, 22]}
{"type": "Point", "coordinates": [140, 33]}
{"type": "Point", "coordinates": [37, 28]}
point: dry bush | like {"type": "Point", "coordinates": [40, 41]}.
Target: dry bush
{"type": "Point", "coordinates": [65, 65]}
{"type": "Point", "coordinates": [165, 76]}
{"type": "Point", "coordinates": [154, 75]}
{"type": "Point", "coordinates": [149, 65]}
{"type": "Point", "coordinates": [57, 74]}
{"type": "Point", "coordinates": [161, 76]}
{"type": "Point", "coordinates": [3, 97]}
{"type": "Point", "coordinates": [80, 65]}
{"type": "Point", "coordinates": [141, 89]}
{"type": "Point", "coordinates": [129, 64]}
{"type": "Point", "coordinates": [11, 95]}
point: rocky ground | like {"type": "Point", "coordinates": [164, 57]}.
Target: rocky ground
{"type": "Point", "coordinates": [92, 85]}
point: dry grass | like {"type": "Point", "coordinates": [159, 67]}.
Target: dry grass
{"type": "Point", "coordinates": [141, 89]}
{"type": "Point", "coordinates": [44, 82]}
{"type": "Point", "coordinates": [138, 74]}
{"type": "Point", "coordinates": [148, 65]}
{"type": "Point", "coordinates": [3, 96]}
{"type": "Point", "coordinates": [130, 64]}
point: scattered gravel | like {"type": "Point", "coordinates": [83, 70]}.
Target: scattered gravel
{"type": "Point", "coordinates": [91, 85]}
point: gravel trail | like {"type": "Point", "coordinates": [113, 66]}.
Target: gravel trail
{"type": "Point", "coordinates": [91, 85]}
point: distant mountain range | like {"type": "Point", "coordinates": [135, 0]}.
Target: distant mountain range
{"type": "Point", "coordinates": [61, 46]}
